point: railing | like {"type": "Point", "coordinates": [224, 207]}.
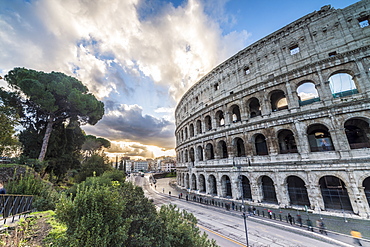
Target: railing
{"type": "Point", "coordinates": [13, 205]}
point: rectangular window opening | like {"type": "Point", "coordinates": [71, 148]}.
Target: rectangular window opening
{"type": "Point", "coordinates": [294, 49]}
{"type": "Point", "coordinates": [247, 71]}
{"type": "Point", "coordinates": [332, 54]}
{"type": "Point", "coordinates": [364, 22]}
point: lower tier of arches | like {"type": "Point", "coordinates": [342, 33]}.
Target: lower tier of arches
{"type": "Point", "coordinates": [317, 188]}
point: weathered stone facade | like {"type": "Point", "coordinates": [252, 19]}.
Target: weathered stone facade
{"type": "Point", "coordinates": [285, 120]}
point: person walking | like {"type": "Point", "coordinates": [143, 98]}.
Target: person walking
{"type": "Point", "coordinates": [290, 219]}
{"type": "Point", "coordinates": [356, 237]}
{"type": "Point", "coordinates": [299, 220]}
{"type": "Point", "coordinates": [2, 189]}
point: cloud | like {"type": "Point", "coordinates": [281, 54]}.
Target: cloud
{"type": "Point", "coordinates": [115, 47]}
{"type": "Point", "coordinates": [127, 123]}
{"type": "Point", "coordinates": [130, 149]}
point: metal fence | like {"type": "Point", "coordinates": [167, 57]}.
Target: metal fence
{"type": "Point", "coordinates": [13, 205]}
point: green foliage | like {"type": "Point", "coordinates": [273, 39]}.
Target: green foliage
{"type": "Point", "coordinates": [45, 197]}
{"type": "Point", "coordinates": [180, 228]}
{"type": "Point", "coordinates": [8, 120]}
{"type": "Point", "coordinates": [170, 175]}
{"type": "Point", "coordinates": [95, 165]}
{"type": "Point", "coordinates": [115, 175]}
{"type": "Point", "coordinates": [94, 145]}
{"type": "Point", "coordinates": [47, 99]}
{"type": "Point", "coordinates": [94, 216]}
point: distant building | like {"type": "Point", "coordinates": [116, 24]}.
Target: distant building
{"type": "Point", "coordinates": [141, 166]}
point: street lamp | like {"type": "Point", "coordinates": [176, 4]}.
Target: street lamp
{"type": "Point", "coordinates": [243, 207]}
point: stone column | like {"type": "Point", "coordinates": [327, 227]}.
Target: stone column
{"type": "Point", "coordinates": [292, 97]}
{"type": "Point", "coordinates": [363, 204]}
{"type": "Point", "coordinates": [256, 190]}
{"type": "Point", "coordinates": [315, 197]}
{"type": "Point", "coordinates": [282, 194]}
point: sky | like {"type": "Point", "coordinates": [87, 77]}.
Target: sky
{"type": "Point", "coordinates": [138, 56]}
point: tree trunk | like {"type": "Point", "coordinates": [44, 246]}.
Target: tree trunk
{"type": "Point", "coordinates": [45, 141]}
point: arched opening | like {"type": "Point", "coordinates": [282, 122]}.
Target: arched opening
{"type": "Point", "coordinates": [208, 122]}
{"type": "Point", "coordinates": [191, 155]}
{"type": "Point", "coordinates": [297, 191]}
{"type": "Point", "coordinates": [202, 183]}
{"type": "Point", "coordinates": [200, 153]}
{"type": "Point", "coordinates": [183, 180]}
{"type": "Point", "coordinates": [222, 149]}
{"type": "Point", "coordinates": [186, 155]}
{"type": "Point", "coordinates": [247, 193]}
{"type": "Point", "coordinates": [199, 127]}
{"type": "Point", "coordinates": [342, 84]}
{"type": "Point", "coordinates": [334, 193]}
{"type": "Point", "coordinates": [278, 101]}
{"type": "Point", "coordinates": [212, 185]}
{"type": "Point", "coordinates": [193, 182]}
{"type": "Point", "coordinates": [261, 145]}
{"type": "Point", "coordinates": [191, 130]}
{"type": "Point", "coordinates": [366, 185]}
{"type": "Point", "coordinates": [319, 138]}
{"type": "Point", "coordinates": [187, 182]}
{"type": "Point", "coordinates": [220, 118]}
{"type": "Point", "coordinates": [358, 132]}
{"type": "Point", "coordinates": [209, 152]}
{"type": "Point", "coordinates": [239, 147]}
{"type": "Point", "coordinates": [268, 190]}
{"type": "Point", "coordinates": [182, 135]}
{"type": "Point", "coordinates": [186, 133]}
{"type": "Point", "coordinates": [226, 186]}
{"type": "Point", "coordinates": [235, 111]}
{"type": "Point", "coordinates": [287, 142]}
{"type": "Point", "coordinates": [307, 93]}
{"type": "Point", "coordinates": [254, 108]}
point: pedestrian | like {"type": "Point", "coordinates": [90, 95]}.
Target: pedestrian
{"type": "Point", "coordinates": [2, 189]}
{"type": "Point", "coordinates": [290, 219]}
{"type": "Point", "coordinates": [254, 211]}
{"type": "Point", "coordinates": [322, 227]}
{"type": "Point", "coordinates": [356, 237]}
{"type": "Point", "coordinates": [179, 196]}
{"type": "Point", "coordinates": [155, 187]}
{"type": "Point", "coordinates": [250, 210]}
{"type": "Point", "coordinates": [270, 213]}
{"type": "Point", "coordinates": [309, 225]}
{"type": "Point", "coordinates": [299, 220]}
{"type": "Point", "coordinates": [187, 197]}
{"type": "Point", "coordinates": [169, 192]}
{"type": "Point", "coordinates": [163, 190]}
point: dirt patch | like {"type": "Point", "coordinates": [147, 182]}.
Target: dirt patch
{"type": "Point", "coordinates": [29, 232]}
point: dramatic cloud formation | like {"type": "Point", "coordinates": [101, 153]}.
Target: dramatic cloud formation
{"type": "Point", "coordinates": [138, 57]}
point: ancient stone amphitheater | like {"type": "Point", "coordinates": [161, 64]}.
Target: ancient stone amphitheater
{"type": "Point", "coordinates": [285, 121]}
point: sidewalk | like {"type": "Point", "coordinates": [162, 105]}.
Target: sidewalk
{"type": "Point", "coordinates": [337, 227]}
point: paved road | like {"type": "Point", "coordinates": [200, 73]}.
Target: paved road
{"type": "Point", "coordinates": [227, 228]}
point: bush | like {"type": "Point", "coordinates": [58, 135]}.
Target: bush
{"type": "Point", "coordinates": [94, 216]}
{"type": "Point", "coordinates": [45, 196]}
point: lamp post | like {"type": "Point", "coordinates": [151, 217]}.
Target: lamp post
{"type": "Point", "coordinates": [243, 207]}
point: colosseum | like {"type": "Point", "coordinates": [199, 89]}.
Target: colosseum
{"type": "Point", "coordinates": [285, 121]}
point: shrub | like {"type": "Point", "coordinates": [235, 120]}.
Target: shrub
{"type": "Point", "coordinates": [44, 194]}
{"type": "Point", "coordinates": [94, 216]}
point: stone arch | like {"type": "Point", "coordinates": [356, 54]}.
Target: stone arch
{"type": "Point", "coordinates": [202, 183]}
{"type": "Point", "coordinates": [260, 145]}
{"type": "Point", "coordinates": [186, 155]}
{"type": "Point", "coordinates": [208, 122]}
{"type": "Point", "coordinates": [246, 188]}
{"type": "Point", "coordinates": [358, 133]}
{"type": "Point", "coordinates": [366, 185]}
{"type": "Point", "coordinates": [220, 118]}
{"type": "Point", "coordinates": [268, 190]}
{"type": "Point", "coordinates": [210, 155]}
{"type": "Point", "coordinates": [342, 84]}
{"type": "Point", "coordinates": [278, 100]}
{"type": "Point", "coordinates": [191, 155]}
{"type": "Point", "coordinates": [307, 93]}
{"type": "Point", "coordinates": [199, 126]}
{"type": "Point", "coordinates": [226, 186]}
{"type": "Point", "coordinates": [222, 149]}
{"type": "Point", "coordinates": [187, 181]}
{"type": "Point", "coordinates": [239, 147]}
{"type": "Point", "coordinates": [186, 133]}
{"type": "Point", "coordinates": [334, 193]}
{"type": "Point", "coordinates": [287, 142]}
{"type": "Point", "coordinates": [191, 130]}
{"type": "Point", "coordinates": [235, 113]}
{"type": "Point", "coordinates": [200, 153]}
{"type": "Point", "coordinates": [297, 191]}
{"type": "Point", "coordinates": [254, 107]}
{"type": "Point", "coordinates": [193, 182]}
{"type": "Point", "coordinates": [319, 138]}
{"type": "Point", "coordinates": [212, 185]}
